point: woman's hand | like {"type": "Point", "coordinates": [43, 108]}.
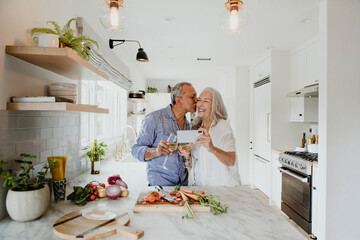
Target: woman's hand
{"type": "Point", "coordinates": [184, 150]}
{"type": "Point", "coordinates": [205, 140]}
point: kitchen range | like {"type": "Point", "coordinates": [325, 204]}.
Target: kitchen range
{"type": "Point", "coordinates": [296, 195]}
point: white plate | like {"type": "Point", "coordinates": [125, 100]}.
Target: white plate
{"type": "Point", "coordinates": [100, 215]}
{"type": "Point", "coordinates": [69, 85]}
{"type": "Point", "coordinates": [61, 88]}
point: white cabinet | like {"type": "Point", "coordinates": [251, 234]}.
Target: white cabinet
{"type": "Point", "coordinates": [260, 70]}
{"type": "Point", "coordinates": [275, 198]}
{"type": "Point", "coordinates": [315, 200]}
{"type": "Point", "coordinates": [312, 65]}
{"type": "Point", "coordinates": [305, 67]}
{"type": "Point", "coordinates": [261, 175]}
{"type": "Point", "coordinates": [304, 109]}
{"type": "Point", "coordinates": [304, 72]}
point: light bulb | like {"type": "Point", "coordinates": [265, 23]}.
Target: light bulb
{"type": "Point", "coordinates": [114, 17]}
{"type": "Point", "coordinates": [234, 20]}
{"type": "Point", "coordinates": [235, 17]}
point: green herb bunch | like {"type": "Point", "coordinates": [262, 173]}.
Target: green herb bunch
{"type": "Point", "coordinates": [99, 149]}
{"type": "Point", "coordinates": [21, 182]}
{"type": "Point", "coordinates": [67, 36]}
{"type": "Point", "coordinates": [213, 202]}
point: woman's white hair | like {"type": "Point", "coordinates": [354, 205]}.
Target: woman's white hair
{"type": "Point", "coordinates": [218, 109]}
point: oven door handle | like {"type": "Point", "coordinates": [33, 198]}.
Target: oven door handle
{"type": "Point", "coordinates": [298, 177]}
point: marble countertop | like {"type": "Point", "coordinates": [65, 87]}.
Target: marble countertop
{"type": "Point", "coordinates": [248, 216]}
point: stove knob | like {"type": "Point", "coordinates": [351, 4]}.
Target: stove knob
{"type": "Point", "coordinates": [292, 163]}
{"type": "Point", "coordinates": [296, 165]}
{"type": "Point", "coordinates": [302, 166]}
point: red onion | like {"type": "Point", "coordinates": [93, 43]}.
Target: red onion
{"type": "Point", "coordinates": [113, 191]}
{"type": "Point", "coordinates": [116, 179]}
{"type": "Point", "coordinates": [121, 183]}
{"type": "Point", "coordinates": [112, 179]}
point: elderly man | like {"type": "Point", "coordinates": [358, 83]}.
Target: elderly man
{"type": "Point", "coordinates": [151, 145]}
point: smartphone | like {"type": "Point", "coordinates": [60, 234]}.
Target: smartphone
{"type": "Point", "coordinates": [188, 136]}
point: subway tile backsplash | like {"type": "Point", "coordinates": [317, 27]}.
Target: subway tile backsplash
{"type": "Point", "coordinates": [43, 134]}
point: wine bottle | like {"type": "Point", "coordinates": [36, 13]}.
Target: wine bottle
{"type": "Point", "coordinates": [303, 141]}
{"type": "Point", "coordinates": [310, 137]}
{"type": "Point", "coordinates": [95, 160]}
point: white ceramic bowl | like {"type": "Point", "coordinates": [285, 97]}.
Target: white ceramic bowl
{"type": "Point", "coordinates": [63, 93]}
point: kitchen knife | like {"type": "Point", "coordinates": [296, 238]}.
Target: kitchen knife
{"type": "Point", "coordinates": [163, 192]}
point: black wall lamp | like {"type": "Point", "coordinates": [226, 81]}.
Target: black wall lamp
{"type": "Point", "coordinates": [140, 56]}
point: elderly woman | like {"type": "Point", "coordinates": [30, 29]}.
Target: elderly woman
{"type": "Point", "coordinates": [214, 153]}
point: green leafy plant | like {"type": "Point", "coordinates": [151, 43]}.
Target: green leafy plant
{"type": "Point", "coordinates": [99, 149]}
{"type": "Point", "coordinates": [67, 36]}
{"type": "Point", "coordinates": [21, 182]}
{"type": "Point", "coordinates": [152, 90]}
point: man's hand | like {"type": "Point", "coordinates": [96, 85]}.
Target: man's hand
{"type": "Point", "coordinates": [163, 148]}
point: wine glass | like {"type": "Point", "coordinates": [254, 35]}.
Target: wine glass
{"type": "Point", "coordinates": [172, 140]}
{"type": "Point", "coordinates": [187, 161]}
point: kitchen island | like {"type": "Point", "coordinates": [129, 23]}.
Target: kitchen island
{"type": "Point", "coordinates": [248, 217]}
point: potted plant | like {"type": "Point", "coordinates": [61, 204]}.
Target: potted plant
{"type": "Point", "coordinates": [96, 153]}
{"type": "Point", "coordinates": [67, 37]}
{"type": "Point", "coordinates": [28, 198]}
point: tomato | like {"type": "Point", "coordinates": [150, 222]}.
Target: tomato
{"type": "Point", "coordinates": [157, 196]}
{"type": "Point", "coordinates": [96, 193]}
{"type": "Point", "coordinates": [103, 185]}
{"type": "Point", "coordinates": [150, 198]}
{"type": "Point", "coordinates": [94, 187]}
{"type": "Point", "coordinates": [89, 185]}
{"type": "Point", "coordinates": [92, 197]}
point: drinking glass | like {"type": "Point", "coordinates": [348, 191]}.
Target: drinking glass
{"type": "Point", "coordinates": [186, 147]}
{"type": "Point", "coordinates": [172, 140]}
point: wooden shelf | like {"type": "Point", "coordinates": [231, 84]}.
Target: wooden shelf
{"type": "Point", "coordinates": [63, 61]}
{"type": "Point", "coordinates": [57, 106]}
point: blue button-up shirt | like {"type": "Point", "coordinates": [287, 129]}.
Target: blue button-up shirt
{"type": "Point", "coordinates": [157, 126]}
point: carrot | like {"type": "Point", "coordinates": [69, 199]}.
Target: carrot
{"type": "Point", "coordinates": [186, 191]}
{"type": "Point", "coordinates": [171, 192]}
{"type": "Point", "coordinates": [199, 192]}
{"type": "Point", "coordinates": [178, 194]}
{"type": "Point", "coordinates": [195, 197]}
{"type": "Point", "coordinates": [183, 196]}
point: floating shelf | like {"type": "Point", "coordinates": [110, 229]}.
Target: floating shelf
{"type": "Point", "coordinates": [57, 106]}
{"type": "Point", "coordinates": [63, 61]}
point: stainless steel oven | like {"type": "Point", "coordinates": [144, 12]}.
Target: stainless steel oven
{"type": "Point", "coordinates": [296, 173]}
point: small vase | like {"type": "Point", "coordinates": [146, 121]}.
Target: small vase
{"type": "Point", "coordinates": [27, 205]}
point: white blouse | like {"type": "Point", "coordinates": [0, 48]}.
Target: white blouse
{"type": "Point", "coordinates": [207, 168]}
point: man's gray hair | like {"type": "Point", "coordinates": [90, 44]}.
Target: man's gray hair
{"type": "Point", "coordinates": [218, 109]}
{"type": "Point", "coordinates": [177, 91]}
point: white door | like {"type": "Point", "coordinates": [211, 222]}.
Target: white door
{"type": "Point", "coordinates": [262, 121]}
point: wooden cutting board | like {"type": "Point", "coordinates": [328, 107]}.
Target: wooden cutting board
{"type": "Point", "coordinates": [95, 224]}
{"type": "Point", "coordinates": [164, 206]}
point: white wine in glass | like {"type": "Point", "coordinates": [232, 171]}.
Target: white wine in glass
{"type": "Point", "coordinates": [172, 140]}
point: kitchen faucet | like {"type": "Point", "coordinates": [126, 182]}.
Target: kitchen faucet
{"type": "Point", "coordinates": [122, 145]}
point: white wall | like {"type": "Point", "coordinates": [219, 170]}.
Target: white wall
{"type": "Point", "coordinates": [339, 124]}
{"type": "Point", "coordinates": [241, 125]}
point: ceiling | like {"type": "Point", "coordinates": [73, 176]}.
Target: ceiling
{"type": "Point", "coordinates": [175, 33]}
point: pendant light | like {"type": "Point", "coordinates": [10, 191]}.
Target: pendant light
{"type": "Point", "coordinates": [112, 15]}
{"type": "Point", "coordinates": [236, 18]}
